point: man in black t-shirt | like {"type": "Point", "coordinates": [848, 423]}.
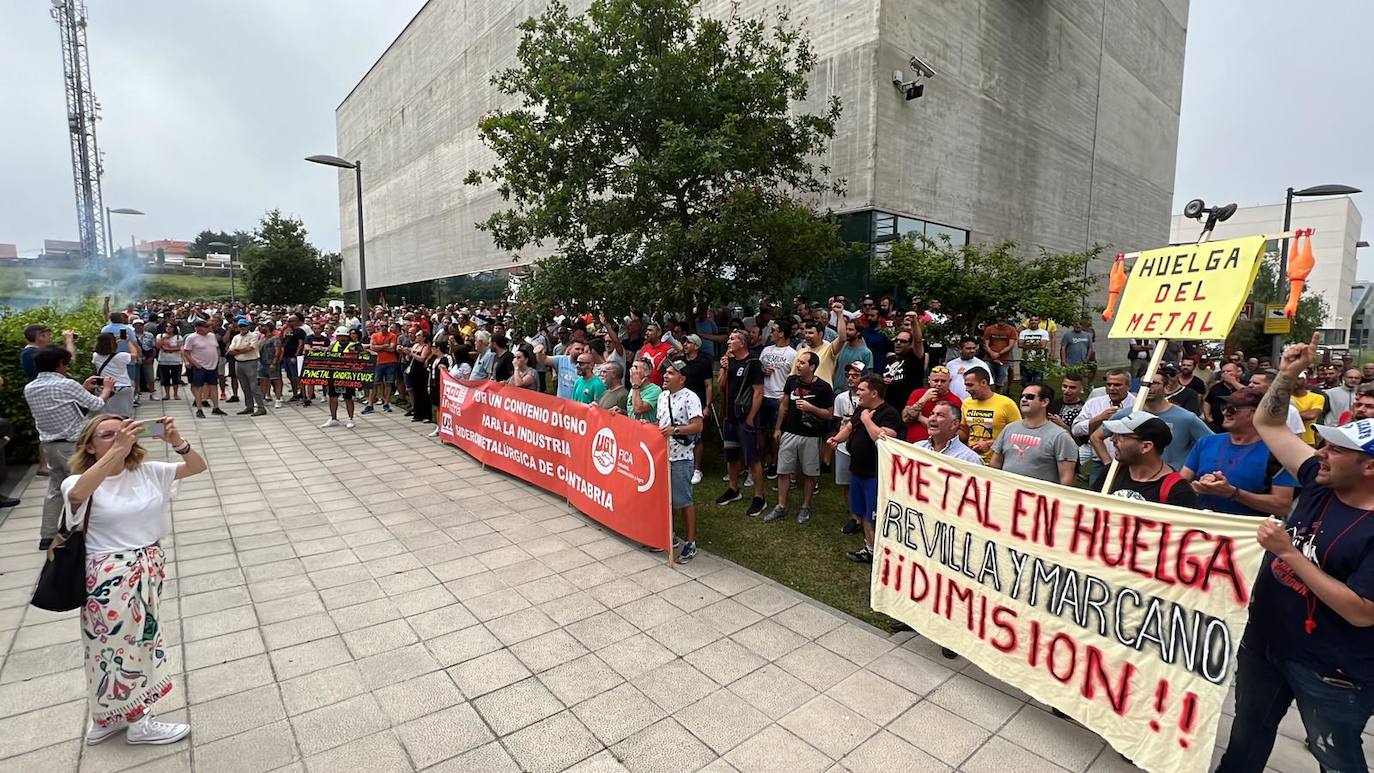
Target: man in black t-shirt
{"type": "Point", "coordinates": [872, 419]}
{"type": "Point", "coordinates": [698, 376]}
{"type": "Point", "coordinates": [903, 372]}
{"type": "Point", "coordinates": [292, 341]}
{"type": "Point", "coordinates": [1140, 439]}
{"type": "Point", "coordinates": [1311, 631]}
{"type": "Point", "coordinates": [505, 358]}
{"type": "Point", "coordinates": [803, 416]}
{"type": "Point", "coordinates": [1228, 382]}
{"type": "Point", "coordinates": [741, 382]}
{"type": "Point", "coordinates": [1178, 393]}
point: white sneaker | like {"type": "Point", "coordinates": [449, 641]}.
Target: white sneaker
{"type": "Point", "coordinates": [349, 424]}
{"type": "Point", "coordinates": [276, 404]}
{"type": "Point", "coordinates": [330, 423]}
{"type": "Point", "coordinates": [155, 398]}
{"type": "Point", "coordinates": [696, 477]}
{"type": "Point", "coordinates": [96, 734]}
{"type": "Point", "coordinates": [748, 479]}
{"type": "Point", "coordinates": [151, 731]}
{"type": "Point", "coordinates": [433, 433]}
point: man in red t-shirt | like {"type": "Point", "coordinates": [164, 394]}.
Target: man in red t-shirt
{"type": "Point", "coordinates": [923, 401]}
{"type": "Point", "coordinates": [655, 349]}
{"type": "Point", "coordinates": [382, 343]}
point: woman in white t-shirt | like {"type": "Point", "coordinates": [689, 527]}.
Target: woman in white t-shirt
{"type": "Point", "coordinates": [124, 501]}
{"type": "Point", "coordinates": [111, 360]}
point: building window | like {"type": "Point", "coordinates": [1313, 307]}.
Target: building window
{"type": "Point", "coordinates": [1333, 337]}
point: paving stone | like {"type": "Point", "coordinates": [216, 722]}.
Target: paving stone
{"type": "Point", "coordinates": [829, 725]}
{"type": "Point", "coordinates": [222, 649]}
{"type": "Point", "coordinates": [999, 755]}
{"type": "Point", "coordinates": [724, 660]}
{"type": "Point", "coordinates": [338, 723]}
{"type": "Point", "coordinates": [43, 691]}
{"type": "Point", "coordinates": [635, 655]}
{"type": "Point", "coordinates": [462, 645]}
{"type": "Point", "coordinates": [492, 671]}
{"type": "Point", "coordinates": [376, 753]}
{"type": "Point", "coordinates": [690, 596]}
{"type": "Point", "coordinates": [855, 643]}
{"type": "Point", "coordinates": [397, 665]}
{"type": "Point", "coordinates": [817, 666]}
{"type": "Point", "coordinates": [552, 744]}
{"type": "Point", "coordinates": [311, 656]}
{"type": "Point", "coordinates": [443, 734]}
{"type": "Point", "coordinates": [289, 633]}
{"type": "Point", "coordinates": [808, 620]}
{"type": "Point", "coordinates": [44, 727]}
{"type": "Point", "coordinates": [238, 712]}
{"type": "Point", "coordinates": [600, 630]}
{"type": "Point", "coordinates": [322, 688]}
{"type": "Point", "coordinates": [571, 608]}
{"type": "Point", "coordinates": [376, 639]}
{"type": "Point", "coordinates": [618, 713]}
{"type": "Point", "coordinates": [580, 679]}
{"type": "Point", "coordinates": [516, 706]}
{"type": "Point", "coordinates": [265, 748]}
{"type": "Point", "coordinates": [975, 701]}
{"type": "Point", "coordinates": [674, 685]}
{"type": "Point", "coordinates": [762, 752]}
{"type": "Point", "coordinates": [664, 745]}
{"type": "Point", "coordinates": [872, 696]}
{"type": "Point", "coordinates": [1059, 741]}
{"type": "Point", "coordinates": [773, 691]}
{"type": "Point", "coordinates": [519, 626]}
{"type": "Point", "coordinates": [489, 758]}
{"type": "Point", "coordinates": [552, 649]}
{"type": "Point", "coordinates": [722, 720]}
{"type": "Point", "coordinates": [886, 753]}
{"type": "Point", "coordinates": [914, 673]}
{"type": "Point", "coordinates": [684, 634]}
{"type": "Point", "coordinates": [415, 698]}
{"type": "Point", "coordinates": [945, 735]}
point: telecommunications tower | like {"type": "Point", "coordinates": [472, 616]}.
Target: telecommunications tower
{"type": "Point", "coordinates": [82, 112]}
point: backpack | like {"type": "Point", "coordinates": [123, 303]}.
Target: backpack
{"type": "Point", "coordinates": [1170, 480]}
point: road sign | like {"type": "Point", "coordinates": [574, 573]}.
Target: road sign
{"type": "Point", "coordinates": [1275, 321]}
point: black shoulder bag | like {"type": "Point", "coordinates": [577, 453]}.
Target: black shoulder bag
{"type": "Point", "coordinates": [62, 582]}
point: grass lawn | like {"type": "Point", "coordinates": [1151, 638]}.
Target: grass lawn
{"type": "Point", "coordinates": [191, 287]}
{"type": "Point", "coordinates": [810, 558]}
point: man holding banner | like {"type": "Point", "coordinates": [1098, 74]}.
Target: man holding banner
{"type": "Point", "coordinates": [1311, 634]}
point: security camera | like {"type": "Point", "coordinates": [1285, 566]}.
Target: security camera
{"type": "Point", "coordinates": [898, 78]}
{"type": "Point", "coordinates": [1197, 208]}
{"type": "Point", "coordinates": [921, 68]}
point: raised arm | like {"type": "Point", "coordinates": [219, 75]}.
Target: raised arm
{"type": "Point", "coordinates": [1271, 420]}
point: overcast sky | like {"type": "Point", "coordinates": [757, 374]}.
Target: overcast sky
{"type": "Point", "coordinates": [209, 108]}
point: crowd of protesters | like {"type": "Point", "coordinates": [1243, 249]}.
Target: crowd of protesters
{"type": "Point", "coordinates": [803, 394]}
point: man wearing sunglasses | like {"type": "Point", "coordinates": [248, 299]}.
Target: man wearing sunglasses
{"type": "Point", "coordinates": [1034, 446]}
{"type": "Point", "coordinates": [588, 387]}
{"type": "Point", "coordinates": [1234, 472]}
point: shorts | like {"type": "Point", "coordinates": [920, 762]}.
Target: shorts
{"type": "Point", "coordinates": [841, 468]}
{"type": "Point", "coordinates": [768, 414]}
{"type": "Point", "coordinates": [863, 497]}
{"type": "Point", "coordinates": [344, 392]}
{"type": "Point", "coordinates": [680, 475]}
{"type": "Point", "coordinates": [223, 367]}
{"type": "Point", "coordinates": [999, 373]}
{"type": "Point", "coordinates": [203, 377]}
{"type": "Point", "coordinates": [741, 441]}
{"type": "Point", "coordinates": [170, 375]}
{"type": "Point", "coordinates": [386, 373]}
{"type": "Point", "coordinates": [292, 372]}
{"type": "Point", "coordinates": [799, 453]}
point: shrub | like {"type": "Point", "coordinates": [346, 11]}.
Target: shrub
{"type": "Point", "coordinates": [85, 319]}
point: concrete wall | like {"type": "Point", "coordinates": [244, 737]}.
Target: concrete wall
{"type": "Point", "coordinates": [1051, 122]}
{"type": "Point", "coordinates": [1337, 223]}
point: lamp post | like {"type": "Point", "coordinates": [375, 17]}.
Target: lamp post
{"type": "Point", "coordinates": [232, 257]}
{"type": "Point", "coordinates": [1276, 344]}
{"type": "Point", "coordinates": [357, 167]}
{"type": "Point", "coordinates": [119, 211]}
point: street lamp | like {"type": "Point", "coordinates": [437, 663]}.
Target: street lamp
{"type": "Point", "coordinates": [120, 211]}
{"type": "Point", "coordinates": [357, 167]}
{"type": "Point", "coordinates": [1276, 345]}
{"type": "Point", "coordinates": [232, 257]}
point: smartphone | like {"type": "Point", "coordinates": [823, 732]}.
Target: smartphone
{"type": "Point", "coordinates": [124, 334]}
{"type": "Point", "coordinates": [152, 429]}
{"type": "Point", "coordinates": [100, 381]}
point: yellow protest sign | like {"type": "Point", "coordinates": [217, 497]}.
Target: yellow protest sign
{"type": "Point", "coordinates": [1276, 322]}
{"type": "Point", "coordinates": [1189, 291]}
{"type": "Point", "coordinates": [1124, 614]}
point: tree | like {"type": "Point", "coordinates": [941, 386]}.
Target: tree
{"type": "Point", "coordinates": [1249, 336]}
{"type": "Point", "coordinates": [200, 247]}
{"type": "Point", "coordinates": [281, 266]}
{"type": "Point", "coordinates": [979, 282]}
{"type": "Point", "coordinates": [657, 149]}
{"type": "Point", "coordinates": [161, 256]}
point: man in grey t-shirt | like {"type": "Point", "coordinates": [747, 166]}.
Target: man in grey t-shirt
{"type": "Point", "coordinates": [1034, 446]}
{"type": "Point", "coordinates": [1076, 346]}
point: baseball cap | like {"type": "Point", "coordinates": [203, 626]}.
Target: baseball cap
{"type": "Point", "coordinates": [855, 367]}
{"type": "Point", "coordinates": [677, 365]}
{"type": "Point", "coordinates": [202, 323]}
{"type": "Point", "coordinates": [341, 330]}
{"type": "Point", "coordinates": [693, 339]}
{"type": "Point", "coordinates": [1143, 425]}
{"type": "Point", "coordinates": [1169, 369]}
{"type": "Point", "coordinates": [1248, 397]}
{"type": "Point", "coordinates": [242, 320]}
{"type": "Point", "coordinates": [1356, 435]}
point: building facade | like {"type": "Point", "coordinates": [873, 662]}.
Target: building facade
{"type": "Point", "coordinates": [1336, 224]}
{"type": "Point", "coordinates": [1050, 122]}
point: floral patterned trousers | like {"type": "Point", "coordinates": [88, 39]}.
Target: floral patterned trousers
{"type": "Point", "coordinates": [126, 662]}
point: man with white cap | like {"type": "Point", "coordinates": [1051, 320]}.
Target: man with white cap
{"type": "Point", "coordinates": [1140, 439]}
{"type": "Point", "coordinates": [341, 344]}
{"type": "Point", "coordinates": [1311, 631]}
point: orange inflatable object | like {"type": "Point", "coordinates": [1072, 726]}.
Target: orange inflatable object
{"type": "Point", "coordinates": [1300, 264]}
{"type": "Point", "coordinates": [1116, 282]}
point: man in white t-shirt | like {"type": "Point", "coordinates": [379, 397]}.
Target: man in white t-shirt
{"type": "Point", "coordinates": [777, 359]}
{"type": "Point", "coordinates": [1033, 344]}
{"type": "Point", "coordinates": [680, 418]}
{"type": "Point", "coordinates": [965, 362]}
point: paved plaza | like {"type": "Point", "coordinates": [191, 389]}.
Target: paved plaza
{"type": "Point", "coordinates": [367, 600]}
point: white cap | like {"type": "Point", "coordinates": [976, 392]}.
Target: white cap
{"type": "Point", "coordinates": [341, 330]}
{"type": "Point", "coordinates": [1356, 435]}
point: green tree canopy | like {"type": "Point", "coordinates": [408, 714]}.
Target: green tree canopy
{"type": "Point", "coordinates": [281, 266]}
{"type": "Point", "coordinates": [657, 150]}
{"type": "Point", "coordinates": [1249, 336]}
{"type": "Point", "coordinates": [200, 247]}
{"type": "Point", "coordinates": [980, 282]}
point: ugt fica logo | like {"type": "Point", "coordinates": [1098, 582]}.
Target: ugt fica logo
{"type": "Point", "coordinates": [604, 451]}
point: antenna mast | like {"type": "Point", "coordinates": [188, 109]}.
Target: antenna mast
{"type": "Point", "coordinates": [82, 113]}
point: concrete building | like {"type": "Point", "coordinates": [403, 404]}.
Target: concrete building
{"type": "Point", "coordinates": [1361, 317]}
{"type": "Point", "coordinates": [1050, 122]}
{"type": "Point", "coordinates": [1337, 231]}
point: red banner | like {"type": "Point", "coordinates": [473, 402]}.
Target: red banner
{"type": "Point", "coordinates": [612, 468]}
